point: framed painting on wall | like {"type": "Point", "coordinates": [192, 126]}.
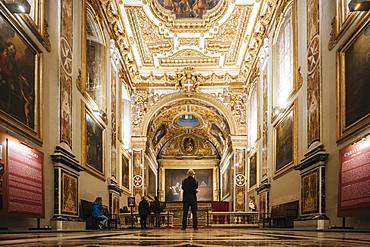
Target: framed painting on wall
{"type": "Point", "coordinates": [115, 203]}
{"type": "Point", "coordinates": [69, 194]}
{"type": "Point", "coordinates": [226, 181]}
{"type": "Point", "coordinates": [310, 193]}
{"type": "Point", "coordinates": [285, 134]}
{"type": "Point", "coordinates": [125, 180]}
{"type": "Point", "coordinates": [188, 9]}
{"type": "Point", "coordinates": [20, 79]}
{"type": "Point", "coordinates": [93, 143]}
{"type": "Point", "coordinates": [353, 82]}
{"type": "Point", "coordinates": [253, 170]}
{"type": "Point", "coordinates": [151, 183]}
{"type": "Point", "coordinates": [173, 180]}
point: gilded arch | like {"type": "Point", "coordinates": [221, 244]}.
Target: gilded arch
{"type": "Point", "coordinates": [204, 98]}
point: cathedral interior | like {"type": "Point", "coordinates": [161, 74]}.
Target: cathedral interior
{"type": "Point", "coordinates": [268, 101]}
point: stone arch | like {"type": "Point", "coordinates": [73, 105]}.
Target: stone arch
{"type": "Point", "coordinates": [205, 98]}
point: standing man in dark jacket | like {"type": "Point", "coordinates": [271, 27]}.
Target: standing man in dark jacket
{"type": "Point", "coordinates": [190, 188]}
{"type": "Point", "coordinates": [156, 207]}
{"type": "Point", "coordinates": [143, 211]}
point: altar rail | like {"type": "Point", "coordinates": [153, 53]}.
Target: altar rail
{"type": "Point", "coordinates": [249, 219]}
{"type": "Point", "coordinates": [127, 220]}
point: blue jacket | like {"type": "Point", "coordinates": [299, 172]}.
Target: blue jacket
{"type": "Point", "coordinates": [97, 209]}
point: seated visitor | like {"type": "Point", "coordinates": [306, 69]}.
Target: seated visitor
{"type": "Point", "coordinates": [97, 213]}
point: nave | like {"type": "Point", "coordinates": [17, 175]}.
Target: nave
{"type": "Point", "coordinates": [204, 237]}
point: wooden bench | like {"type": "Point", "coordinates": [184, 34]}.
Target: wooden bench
{"type": "Point", "coordinates": [91, 222]}
{"type": "Point", "coordinates": [282, 215]}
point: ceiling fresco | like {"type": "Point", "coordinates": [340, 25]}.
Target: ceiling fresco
{"type": "Point", "coordinates": [188, 8]}
{"type": "Point", "coordinates": [209, 137]}
{"type": "Point", "coordinates": [218, 38]}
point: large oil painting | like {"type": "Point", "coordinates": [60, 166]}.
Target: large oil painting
{"type": "Point", "coordinates": [151, 183]}
{"type": "Point", "coordinates": [284, 141]}
{"type": "Point", "coordinates": [310, 193]}
{"type": "Point", "coordinates": [354, 82]}
{"type": "Point", "coordinates": [173, 181]}
{"type": "Point", "coordinates": [69, 194]}
{"type": "Point", "coordinates": [19, 79]}
{"type": "Point", "coordinates": [125, 173]}
{"type": "Point", "coordinates": [226, 182]}
{"type": "Point", "coordinates": [189, 8]}
{"type": "Point", "coordinates": [115, 204]}
{"type": "Point", "coordinates": [94, 143]}
{"type": "Point", "coordinates": [253, 170]}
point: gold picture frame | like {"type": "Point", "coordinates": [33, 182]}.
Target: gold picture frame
{"type": "Point", "coordinates": [69, 194]}
{"type": "Point", "coordinates": [125, 164]}
{"type": "Point", "coordinates": [253, 170]}
{"type": "Point", "coordinates": [310, 193]}
{"type": "Point", "coordinates": [26, 88]}
{"type": "Point", "coordinates": [226, 179]}
{"type": "Point", "coordinates": [89, 6]}
{"type": "Point", "coordinates": [344, 19]}
{"type": "Point", "coordinates": [281, 17]}
{"type": "Point", "coordinates": [348, 124]}
{"type": "Point", "coordinates": [285, 136]}
{"type": "Point", "coordinates": [151, 180]}
{"type": "Point", "coordinates": [87, 114]}
{"type": "Point", "coordinates": [36, 23]}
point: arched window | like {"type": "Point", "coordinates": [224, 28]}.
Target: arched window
{"type": "Point", "coordinates": [284, 53]}
{"type": "Point", "coordinates": [95, 60]}
{"type": "Point", "coordinates": [252, 123]}
{"type": "Point", "coordinates": [126, 118]}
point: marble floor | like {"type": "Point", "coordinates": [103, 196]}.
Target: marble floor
{"type": "Point", "coordinates": [176, 237]}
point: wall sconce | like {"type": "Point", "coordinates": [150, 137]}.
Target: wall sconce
{"type": "Point", "coordinates": [18, 6]}
{"type": "Point", "coordinates": [359, 5]}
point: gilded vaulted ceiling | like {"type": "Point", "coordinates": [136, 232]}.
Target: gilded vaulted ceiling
{"type": "Point", "coordinates": [218, 38]}
{"type": "Point", "coordinates": [209, 137]}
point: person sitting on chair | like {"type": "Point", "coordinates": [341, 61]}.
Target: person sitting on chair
{"type": "Point", "coordinates": [97, 213]}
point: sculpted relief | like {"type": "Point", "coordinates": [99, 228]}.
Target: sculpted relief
{"type": "Point", "coordinates": [188, 145]}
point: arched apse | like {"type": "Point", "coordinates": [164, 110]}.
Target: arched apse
{"type": "Point", "coordinates": [200, 97]}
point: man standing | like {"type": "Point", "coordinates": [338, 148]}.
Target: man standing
{"type": "Point", "coordinates": [156, 207]}
{"type": "Point", "coordinates": [190, 187]}
{"type": "Point", "coordinates": [143, 212]}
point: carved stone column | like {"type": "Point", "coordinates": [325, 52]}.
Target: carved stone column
{"type": "Point", "coordinates": [312, 201]}
{"type": "Point", "coordinates": [138, 144]}
{"type": "Point", "coordinates": [66, 191]}
{"type": "Point", "coordinates": [239, 144]}
{"type": "Point", "coordinates": [66, 167]}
